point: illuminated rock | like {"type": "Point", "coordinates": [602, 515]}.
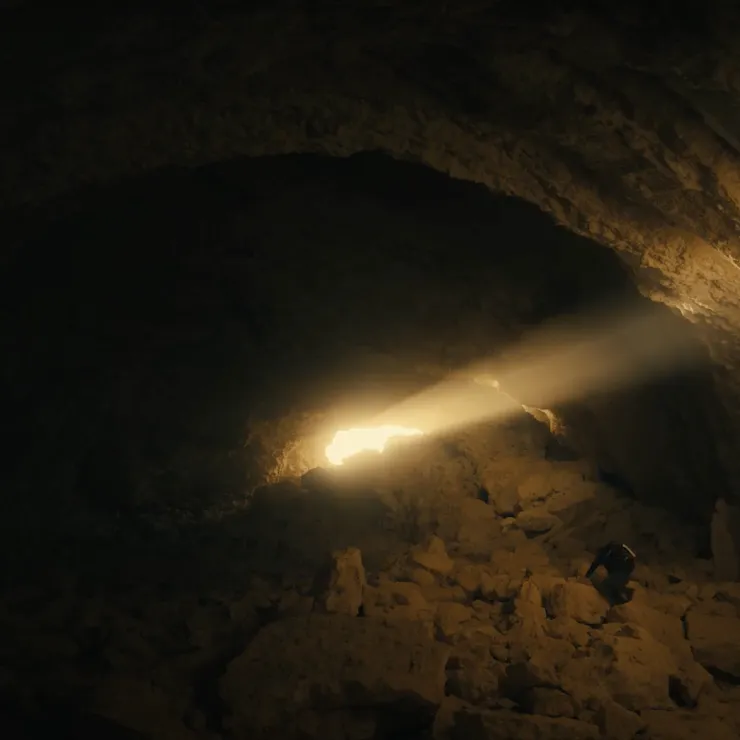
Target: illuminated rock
{"type": "Point", "coordinates": [343, 593]}
{"type": "Point", "coordinates": [433, 556]}
{"type": "Point", "coordinates": [333, 663]}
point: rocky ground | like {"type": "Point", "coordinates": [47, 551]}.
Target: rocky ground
{"type": "Point", "coordinates": [436, 591]}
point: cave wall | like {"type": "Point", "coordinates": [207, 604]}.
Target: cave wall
{"type": "Point", "coordinates": [158, 323]}
{"type": "Point", "coordinates": [618, 120]}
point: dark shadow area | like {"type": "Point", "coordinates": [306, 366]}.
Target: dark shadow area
{"type": "Point", "coordinates": [148, 320]}
{"type": "Point", "coordinates": [171, 340]}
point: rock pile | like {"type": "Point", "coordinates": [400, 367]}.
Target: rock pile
{"type": "Point", "coordinates": [482, 628]}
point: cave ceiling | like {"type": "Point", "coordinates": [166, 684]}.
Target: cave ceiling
{"type": "Point", "coordinates": [620, 121]}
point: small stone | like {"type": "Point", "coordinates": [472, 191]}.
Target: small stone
{"type": "Point", "coordinates": [578, 601]}
{"type": "Point", "coordinates": [433, 556]}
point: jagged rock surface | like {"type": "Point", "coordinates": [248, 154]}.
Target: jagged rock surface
{"type": "Point", "coordinates": [513, 642]}
{"type": "Point", "coordinates": [620, 121]}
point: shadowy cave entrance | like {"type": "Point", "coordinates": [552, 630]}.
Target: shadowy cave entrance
{"type": "Point", "coordinates": [185, 345]}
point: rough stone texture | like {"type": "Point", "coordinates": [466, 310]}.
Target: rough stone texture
{"type": "Point", "coordinates": [346, 581]}
{"type": "Point", "coordinates": [332, 662]}
{"type": "Point", "coordinates": [577, 601]}
{"type": "Point", "coordinates": [621, 137]}
{"type": "Point", "coordinates": [725, 536]}
{"type": "Point", "coordinates": [433, 556]}
{"type": "Point", "coordinates": [715, 642]}
{"type": "Point", "coordinates": [492, 649]}
{"type": "Point", "coordinates": [482, 725]}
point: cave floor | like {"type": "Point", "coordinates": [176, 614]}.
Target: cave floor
{"type": "Point", "coordinates": [476, 618]}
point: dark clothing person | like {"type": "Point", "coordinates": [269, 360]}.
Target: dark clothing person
{"type": "Point", "coordinates": [619, 562]}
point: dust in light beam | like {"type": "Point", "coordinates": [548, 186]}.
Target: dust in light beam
{"type": "Point", "coordinates": [559, 363]}
{"type": "Point", "coordinates": [349, 442]}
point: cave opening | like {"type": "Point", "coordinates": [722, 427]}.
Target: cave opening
{"type": "Point", "coordinates": [185, 343]}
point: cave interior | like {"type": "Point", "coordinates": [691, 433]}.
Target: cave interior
{"type": "Point", "coordinates": [183, 339]}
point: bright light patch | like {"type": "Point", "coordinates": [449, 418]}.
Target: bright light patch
{"type": "Point", "coordinates": [349, 442]}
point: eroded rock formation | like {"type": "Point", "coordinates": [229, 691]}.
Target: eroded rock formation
{"type": "Point", "coordinates": [190, 316]}
{"type": "Point", "coordinates": [619, 121]}
{"type": "Point", "coordinates": [471, 623]}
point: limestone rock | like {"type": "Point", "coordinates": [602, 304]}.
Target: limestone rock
{"type": "Point", "coordinates": [536, 521]}
{"type": "Point", "coordinates": [472, 724]}
{"type": "Point", "coordinates": [139, 705]}
{"type": "Point", "coordinates": [691, 679]}
{"type": "Point", "coordinates": [319, 480]}
{"type": "Point", "coordinates": [564, 628]}
{"type": "Point", "coordinates": [444, 593]}
{"type": "Point", "coordinates": [725, 539]}
{"type": "Point", "coordinates": [616, 722]}
{"type": "Point", "coordinates": [422, 577]}
{"type": "Point", "coordinates": [343, 593]}
{"type": "Point", "coordinates": [506, 502]}
{"type": "Point", "coordinates": [470, 577]}
{"type": "Point", "coordinates": [535, 487]}
{"type": "Point", "coordinates": [578, 601]}
{"type": "Point", "coordinates": [529, 616]}
{"type": "Point", "coordinates": [334, 662]}
{"type": "Point", "coordinates": [536, 670]}
{"type": "Point", "coordinates": [396, 599]}
{"type": "Point", "coordinates": [715, 642]}
{"type": "Point", "coordinates": [352, 725]}
{"type": "Point", "coordinates": [634, 668]}
{"type": "Point", "coordinates": [662, 725]}
{"type": "Point", "coordinates": [478, 529]}
{"type": "Point", "coordinates": [479, 580]}
{"type": "Point", "coordinates": [523, 557]}
{"type": "Point", "coordinates": [450, 615]}
{"type": "Point", "coordinates": [433, 556]}
{"type": "Point", "coordinates": [548, 702]}
{"type": "Point", "coordinates": [665, 628]}
{"type": "Point", "coordinates": [476, 681]}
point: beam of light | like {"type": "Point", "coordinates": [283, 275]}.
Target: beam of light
{"type": "Point", "coordinates": [566, 360]}
{"type": "Point", "coordinates": [349, 442]}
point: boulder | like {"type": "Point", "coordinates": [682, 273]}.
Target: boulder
{"type": "Point", "coordinates": [547, 702]}
{"type": "Point", "coordinates": [523, 556]}
{"type": "Point", "coordinates": [564, 628]}
{"type": "Point", "coordinates": [341, 586]}
{"type": "Point", "coordinates": [478, 529]}
{"type": "Point", "coordinates": [715, 642]}
{"type": "Point", "coordinates": [506, 501]}
{"type": "Point", "coordinates": [450, 615]}
{"type": "Point", "coordinates": [616, 722]}
{"type": "Point", "coordinates": [535, 487]}
{"type": "Point", "coordinates": [422, 577]}
{"type": "Point", "coordinates": [529, 617]}
{"type": "Point", "coordinates": [691, 679]}
{"type": "Point", "coordinates": [536, 521]}
{"type": "Point", "coordinates": [433, 556]}
{"type": "Point", "coordinates": [333, 663]}
{"type": "Point", "coordinates": [662, 725]}
{"type": "Point", "coordinates": [580, 602]}
{"type": "Point", "coordinates": [402, 600]}
{"type": "Point", "coordinates": [480, 724]}
{"type": "Point", "coordinates": [475, 681]}
{"type": "Point", "coordinates": [725, 541]}
{"type": "Point", "coordinates": [634, 668]}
